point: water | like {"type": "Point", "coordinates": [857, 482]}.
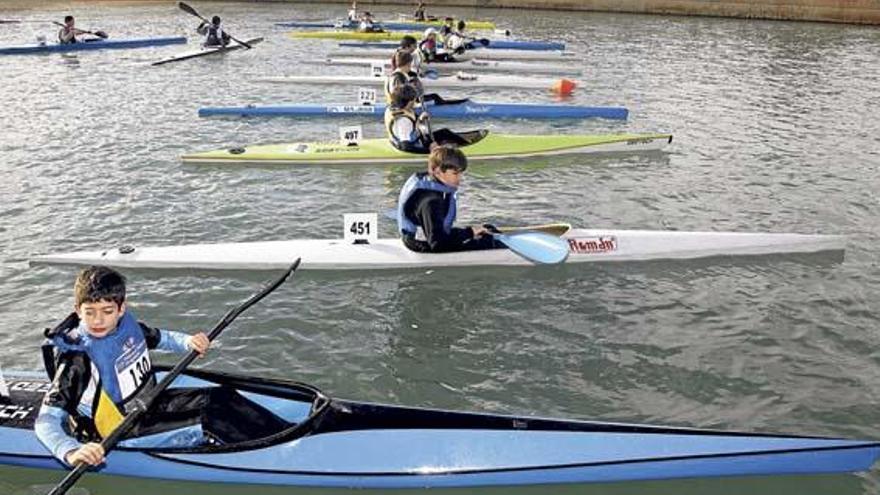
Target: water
{"type": "Point", "coordinates": [775, 130]}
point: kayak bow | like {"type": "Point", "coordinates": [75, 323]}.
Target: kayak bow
{"type": "Point", "coordinates": [341, 443]}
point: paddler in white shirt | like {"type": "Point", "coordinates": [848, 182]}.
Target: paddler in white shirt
{"type": "Point", "coordinates": [455, 41]}
{"type": "Point", "coordinates": [409, 45]}
{"type": "Point", "coordinates": [367, 24]}
{"type": "Point", "coordinates": [213, 33]}
{"type": "Point", "coordinates": [428, 48]}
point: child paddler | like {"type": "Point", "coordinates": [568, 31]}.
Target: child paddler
{"type": "Point", "coordinates": [405, 74]}
{"type": "Point", "coordinates": [213, 32]}
{"type": "Point", "coordinates": [428, 48]}
{"type": "Point", "coordinates": [99, 360]}
{"type": "Point", "coordinates": [409, 45]}
{"type": "Point", "coordinates": [426, 208]}
{"type": "Point", "coordinates": [410, 132]}
{"type": "Point", "coordinates": [68, 32]}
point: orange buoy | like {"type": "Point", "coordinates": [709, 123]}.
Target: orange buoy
{"type": "Point", "coordinates": [564, 87]}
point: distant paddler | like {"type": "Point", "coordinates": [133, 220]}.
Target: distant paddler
{"type": "Point", "coordinates": [408, 44]}
{"type": "Point", "coordinates": [454, 40]}
{"type": "Point", "coordinates": [368, 24]}
{"type": "Point", "coordinates": [213, 32]}
{"type": "Point", "coordinates": [419, 14]}
{"type": "Point", "coordinates": [352, 15]}
{"type": "Point", "coordinates": [427, 206]}
{"type": "Point", "coordinates": [428, 48]}
{"type": "Point", "coordinates": [68, 32]}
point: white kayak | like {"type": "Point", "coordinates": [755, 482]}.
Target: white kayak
{"type": "Point", "coordinates": [546, 56]}
{"type": "Point", "coordinates": [472, 81]}
{"type": "Point", "coordinates": [474, 65]}
{"type": "Point", "coordinates": [585, 245]}
{"type": "Point", "coordinates": [206, 51]}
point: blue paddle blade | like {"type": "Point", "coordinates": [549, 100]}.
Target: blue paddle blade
{"type": "Point", "coordinates": [536, 247]}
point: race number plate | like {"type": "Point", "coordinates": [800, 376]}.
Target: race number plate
{"type": "Point", "coordinates": [351, 135]}
{"type": "Point", "coordinates": [360, 228]}
{"type": "Point", "coordinates": [367, 96]}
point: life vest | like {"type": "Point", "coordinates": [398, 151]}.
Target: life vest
{"type": "Point", "coordinates": [215, 36]}
{"type": "Point", "coordinates": [120, 367]}
{"type": "Point", "coordinates": [398, 78]}
{"type": "Point", "coordinates": [416, 137]}
{"type": "Point", "coordinates": [422, 181]}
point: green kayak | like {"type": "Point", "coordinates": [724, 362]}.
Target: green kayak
{"type": "Point", "coordinates": [380, 151]}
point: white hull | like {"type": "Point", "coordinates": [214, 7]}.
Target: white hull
{"type": "Point", "coordinates": [476, 66]}
{"type": "Point", "coordinates": [547, 56]}
{"type": "Point", "coordinates": [585, 245]}
{"type": "Point", "coordinates": [467, 81]}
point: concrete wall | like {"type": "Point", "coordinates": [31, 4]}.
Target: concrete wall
{"type": "Point", "coordinates": [847, 11]}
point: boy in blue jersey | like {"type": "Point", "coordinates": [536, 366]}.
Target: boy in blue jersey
{"type": "Point", "coordinates": [99, 361]}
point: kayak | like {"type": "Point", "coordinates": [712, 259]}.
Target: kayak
{"type": "Point", "coordinates": [585, 246]}
{"type": "Point", "coordinates": [471, 66]}
{"type": "Point", "coordinates": [398, 35]}
{"type": "Point", "coordinates": [381, 152]}
{"type": "Point", "coordinates": [388, 25]}
{"type": "Point", "coordinates": [206, 51]}
{"type": "Point", "coordinates": [464, 110]}
{"type": "Point", "coordinates": [329, 442]}
{"type": "Point", "coordinates": [98, 44]}
{"type": "Point", "coordinates": [387, 50]}
{"type": "Point", "coordinates": [461, 80]}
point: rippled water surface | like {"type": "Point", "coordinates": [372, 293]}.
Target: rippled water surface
{"type": "Point", "coordinates": [775, 129]}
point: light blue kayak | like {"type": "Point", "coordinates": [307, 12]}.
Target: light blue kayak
{"type": "Point", "coordinates": [98, 44]}
{"type": "Point", "coordinates": [464, 110]}
{"type": "Point", "coordinates": [473, 45]}
{"type": "Point", "coordinates": [327, 442]}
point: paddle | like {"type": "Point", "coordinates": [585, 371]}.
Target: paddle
{"type": "Point", "coordinates": [141, 404]}
{"type": "Point", "coordinates": [99, 34]}
{"type": "Point", "coordinates": [536, 247]}
{"type": "Point", "coordinates": [186, 8]}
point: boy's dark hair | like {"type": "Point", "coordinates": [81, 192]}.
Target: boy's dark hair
{"type": "Point", "coordinates": [68, 18]}
{"type": "Point", "coordinates": [99, 283]}
{"type": "Point", "coordinates": [402, 58]}
{"type": "Point", "coordinates": [447, 156]}
{"type": "Point", "coordinates": [402, 95]}
{"type": "Point", "coordinates": [215, 20]}
{"type": "Point", "coordinates": [408, 41]}
{"type": "Point", "coordinates": [461, 25]}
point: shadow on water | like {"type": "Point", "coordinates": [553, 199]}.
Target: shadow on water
{"type": "Point", "coordinates": [20, 481]}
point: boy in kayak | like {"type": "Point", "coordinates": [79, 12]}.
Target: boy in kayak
{"type": "Point", "coordinates": [353, 13]}
{"type": "Point", "coordinates": [411, 133]}
{"type": "Point", "coordinates": [419, 14]}
{"type": "Point", "coordinates": [68, 33]}
{"type": "Point", "coordinates": [99, 361]}
{"type": "Point", "coordinates": [428, 48]}
{"type": "Point", "coordinates": [368, 25]}
{"type": "Point", "coordinates": [426, 208]}
{"type": "Point", "coordinates": [213, 33]}
{"type": "Point", "coordinates": [409, 45]}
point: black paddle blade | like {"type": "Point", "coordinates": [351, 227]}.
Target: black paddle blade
{"type": "Point", "coordinates": [186, 8]}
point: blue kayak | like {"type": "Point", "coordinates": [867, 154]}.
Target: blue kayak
{"type": "Point", "coordinates": [99, 44]}
{"type": "Point", "coordinates": [473, 45]}
{"type": "Point", "coordinates": [464, 110]}
{"type": "Point", "coordinates": [327, 442]}
{"type": "Point", "coordinates": [387, 26]}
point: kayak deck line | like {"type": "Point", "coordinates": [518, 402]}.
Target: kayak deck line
{"type": "Point", "coordinates": [585, 246]}
{"type": "Point", "coordinates": [380, 151]}
{"type": "Point", "coordinates": [382, 446]}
